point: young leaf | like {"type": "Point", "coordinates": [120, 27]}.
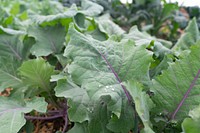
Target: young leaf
{"type": "Point", "coordinates": [37, 73]}
{"type": "Point", "coordinates": [12, 112]}
{"type": "Point", "coordinates": [176, 91]}
{"type": "Point", "coordinates": [49, 40]}
{"type": "Point", "coordinates": [191, 125]}
{"type": "Point", "coordinates": [143, 104]}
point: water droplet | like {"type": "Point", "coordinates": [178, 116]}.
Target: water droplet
{"type": "Point", "coordinates": [107, 87]}
{"type": "Point", "coordinates": [100, 86]}
{"type": "Point", "coordinates": [112, 89]}
{"type": "Point", "coordinates": [91, 110]}
{"type": "Point", "coordinates": [106, 90]}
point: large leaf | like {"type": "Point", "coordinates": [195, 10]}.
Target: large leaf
{"type": "Point", "coordinates": [12, 112]}
{"type": "Point", "coordinates": [176, 91]}
{"type": "Point", "coordinates": [100, 67]}
{"type": "Point", "coordinates": [49, 40]}
{"type": "Point", "coordinates": [191, 125]}
{"type": "Point", "coordinates": [37, 73]}
{"type": "Point", "coordinates": [143, 104]}
{"type": "Point", "coordinates": [8, 74]}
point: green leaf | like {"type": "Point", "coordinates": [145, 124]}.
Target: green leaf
{"type": "Point", "coordinates": [79, 20]}
{"type": "Point", "coordinates": [189, 38]}
{"type": "Point", "coordinates": [11, 43]}
{"type": "Point", "coordinates": [10, 31]}
{"type": "Point", "coordinates": [78, 101]}
{"type": "Point", "coordinates": [143, 104]}
{"type": "Point", "coordinates": [161, 66]}
{"type": "Point", "coordinates": [49, 40]}
{"type": "Point", "coordinates": [37, 73]}
{"type": "Point", "coordinates": [141, 38]}
{"type": "Point", "coordinates": [169, 8]}
{"type": "Point", "coordinates": [194, 114]}
{"type": "Point", "coordinates": [98, 35]}
{"type": "Point", "coordinates": [99, 67]}
{"type": "Point", "coordinates": [65, 18]}
{"type": "Point", "coordinates": [8, 74]}
{"type": "Point", "coordinates": [15, 8]}
{"type": "Point", "coordinates": [90, 8]}
{"type": "Point", "coordinates": [191, 125]}
{"type": "Point", "coordinates": [176, 90]}
{"type": "Point", "coordinates": [79, 128]}
{"type": "Point", "coordinates": [126, 120]}
{"type": "Point", "coordinates": [82, 109]}
{"type": "Point", "coordinates": [109, 27]}
{"type": "Point", "coordinates": [99, 117]}
{"type": "Point", "coordinates": [12, 112]}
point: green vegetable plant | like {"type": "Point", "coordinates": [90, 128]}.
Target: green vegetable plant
{"type": "Point", "coordinates": [70, 66]}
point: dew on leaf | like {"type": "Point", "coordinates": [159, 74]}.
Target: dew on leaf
{"type": "Point", "coordinates": [100, 86]}
{"type": "Point", "coordinates": [106, 90]}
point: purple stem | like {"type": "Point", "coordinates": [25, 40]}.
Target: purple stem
{"type": "Point", "coordinates": [65, 117]}
{"type": "Point", "coordinates": [116, 75]}
{"type": "Point", "coordinates": [66, 123]}
{"type": "Point", "coordinates": [186, 95]}
{"type": "Point", "coordinates": [43, 118]}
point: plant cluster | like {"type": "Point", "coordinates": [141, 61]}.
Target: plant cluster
{"type": "Point", "coordinates": [77, 65]}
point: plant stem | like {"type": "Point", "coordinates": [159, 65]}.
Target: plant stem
{"type": "Point", "coordinates": [43, 118]}
{"type": "Point", "coordinates": [66, 124]}
{"type": "Point", "coordinates": [65, 118]}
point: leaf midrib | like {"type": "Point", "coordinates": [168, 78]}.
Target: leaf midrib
{"type": "Point", "coordinates": [185, 95]}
